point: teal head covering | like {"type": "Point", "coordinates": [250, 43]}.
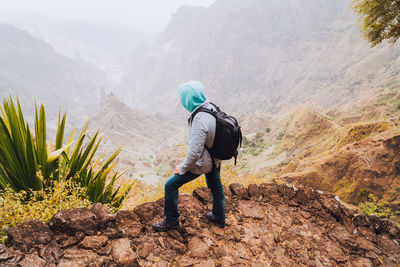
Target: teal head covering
{"type": "Point", "coordinates": [192, 95]}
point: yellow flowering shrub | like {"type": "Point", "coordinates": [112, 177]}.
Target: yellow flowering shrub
{"type": "Point", "coordinates": [18, 207]}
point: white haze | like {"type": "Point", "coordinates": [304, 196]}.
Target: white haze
{"type": "Point", "coordinates": [144, 15]}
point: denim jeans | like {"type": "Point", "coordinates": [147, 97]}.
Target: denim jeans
{"type": "Point", "coordinates": [172, 186]}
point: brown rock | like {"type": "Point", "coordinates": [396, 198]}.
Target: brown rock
{"type": "Point", "coordinates": [79, 257]}
{"type": "Point", "coordinates": [218, 230]}
{"type": "Point", "coordinates": [304, 195]}
{"type": "Point", "coordinates": [74, 220]}
{"type": "Point", "coordinates": [390, 227]}
{"type": "Point", "coordinates": [29, 234]}
{"type": "Point", "coordinates": [132, 230]}
{"type": "Point", "coordinates": [103, 214]}
{"type": "Point", "coordinates": [197, 247]}
{"type": "Point", "coordinates": [188, 204]}
{"type": "Point", "coordinates": [52, 252]}
{"type": "Point", "coordinates": [122, 252]}
{"type": "Point", "coordinates": [10, 255]}
{"type": "Point", "coordinates": [366, 245]}
{"type": "Point", "coordinates": [287, 192]}
{"type": "Point", "coordinates": [67, 241]}
{"type": "Point", "coordinates": [388, 245]}
{"type": "Point", "coordinates": [147, 211]}
{"type": "Point", "coordinates": [254, 191]}
{"type": "Point", "coordinates": [208, 263]}
{"type": "Point", "coordinates": [227, 192]}
{"type": "Point", "coordinates": [203, 194]}
{"type": "Point", "coordinates": [145, 247]}
{"type": "Point", "coordinates": [125, 217]}
{"type": "Point", "coordinates": [361, 220]}
{"type": "Point", "coordinates": [176, 245]}
{"type": "Point", "coordinates": [32, 260]}
{"type": "Point", "coordinates": [239, 191]}
{"type": "Point", "coordinates": [94, 242]}
{"type": "Point", "coordinates": [251, 209]}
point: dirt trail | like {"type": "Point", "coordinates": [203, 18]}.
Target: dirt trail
{"type": "Point", "coordinates": [269, 225]}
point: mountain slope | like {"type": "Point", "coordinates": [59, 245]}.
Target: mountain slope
{"type": "Point", "coordinates": [260, 55]}
{"type": "Point", "coordinates": [30, 68]}
{"type": "Point", "coordinates": [143, 136]}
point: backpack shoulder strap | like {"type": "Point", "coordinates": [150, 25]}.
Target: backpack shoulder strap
{"type": "Point", "coordinates": [206, 110]}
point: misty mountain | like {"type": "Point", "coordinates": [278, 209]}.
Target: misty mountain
{"type": "Point", "coordinates": [104, 46]}
{"type": "Point", "coordinates": [31, 69]}
{"type": "Point", "coordinates": [260, 55]}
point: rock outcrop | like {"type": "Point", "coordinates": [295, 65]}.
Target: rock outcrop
{"type": "Point", "coordinates": [268, 225]}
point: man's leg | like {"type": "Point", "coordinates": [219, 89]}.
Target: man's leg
{"type": "Point", "coordinates": [172, 194]}
{"type": "Point", "coordinates": [213, 180]}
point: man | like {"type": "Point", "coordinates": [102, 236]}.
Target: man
{"type": "Point", "coordinates": [198, 160]}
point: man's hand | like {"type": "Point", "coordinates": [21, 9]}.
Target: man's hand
{"type": "Point", "coordinates": [176, 169]}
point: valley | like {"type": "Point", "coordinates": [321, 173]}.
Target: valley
{"type": "Point", "coordinates": [317, 105]}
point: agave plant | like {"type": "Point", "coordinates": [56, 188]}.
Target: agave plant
{"type": "Point", "coordinates": [28, 163]}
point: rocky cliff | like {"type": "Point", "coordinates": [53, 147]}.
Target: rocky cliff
{"type": "Point", "coordinates": [268, 225]}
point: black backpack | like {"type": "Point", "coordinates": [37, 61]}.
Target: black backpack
{"type": "Point", "coordinates": [228, 136]}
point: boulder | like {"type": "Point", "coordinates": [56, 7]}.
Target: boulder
{"type": "Point", "coordinates": [103, 214]}
{"type": "Point", "coordinates": [75, 220]}
{"type": "Point", "coordinates": [251, 209]}
{"type": "Point", "coordinates": [197, 247]}
{"type": "Point", "coordinates": [29, 234]}
{"type": "Point", "coordinates": [254, 191]}
{"type": "Point", "coordinates": [79, 257]}
{"type": "Point", "coordinates": [32, 260]}
{"type": "Point", "coordinates": [147, 211]}
{"type": "Point", "coordinates": [203, 194]}
{"type": "Point", "coordinates": [94, 242]}
{"type": "Point", "coordinates": [122, 252]}
{"type": "Point", "coordinates": [239, 191]}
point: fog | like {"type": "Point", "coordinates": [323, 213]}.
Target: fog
{"type": "Point", "coordinates": [144, 15]}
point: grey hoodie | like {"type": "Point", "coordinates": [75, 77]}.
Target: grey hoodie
{"type": "Point", "coordinates": [201, 133]}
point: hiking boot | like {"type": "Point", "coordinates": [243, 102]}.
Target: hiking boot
{"type": "Point", "coordinates": [219, 223]}
{"type": "Point", "coordinates": [165, 225]}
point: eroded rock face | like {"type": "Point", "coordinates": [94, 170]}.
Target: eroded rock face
{"type": "Point", "coordinates": [268, 225]}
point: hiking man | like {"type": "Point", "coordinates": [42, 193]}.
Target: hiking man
{"type": "Point", "coordinates": [198, 160]}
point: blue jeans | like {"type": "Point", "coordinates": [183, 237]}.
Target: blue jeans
{"type": "Point", "coordinates": [172, 186]}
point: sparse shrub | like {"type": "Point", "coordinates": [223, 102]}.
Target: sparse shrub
{"type": "Point", "coordinates": [363, 194]}
{"type": "Point", "coordinates": [280, 136]}
{"type": "Point", "coordinates": [245, 141]}
{"type": "Point", "coordinates": [17, 207]}
{"type": "Point", "coordinates": [256, 151]}
{"type": "Point", "coordinates": [398, 107]}
{"type": "Point", "coordinates": [268, 130]}
{"type": "Point", "coordinates": [379, 209]}
{"type": "Point", "coordinates": [258, 135]}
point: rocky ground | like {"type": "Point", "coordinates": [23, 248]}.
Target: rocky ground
{"type": "Point", "coordinates": [268, 225]}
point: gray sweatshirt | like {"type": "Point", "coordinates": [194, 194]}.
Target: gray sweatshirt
{"type": "Point", "coordinates": [201, 133]}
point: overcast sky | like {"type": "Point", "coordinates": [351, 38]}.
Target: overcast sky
{"type": "Point", "coordinates": [147, 15]}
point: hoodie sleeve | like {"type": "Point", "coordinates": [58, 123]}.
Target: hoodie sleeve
{"type": "Point", "coordinates": [197, 139]}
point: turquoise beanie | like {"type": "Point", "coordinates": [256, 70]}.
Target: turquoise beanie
{"type": "Point", "coordinates": [192, 95]}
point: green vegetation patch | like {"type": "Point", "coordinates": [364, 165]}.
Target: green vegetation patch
{"type": "Point", "coordinates": [359, 132]}
{"type": "Point", "coordinates": [17, 207]}
{"type": "Point", "coordinates": [379, 209]}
